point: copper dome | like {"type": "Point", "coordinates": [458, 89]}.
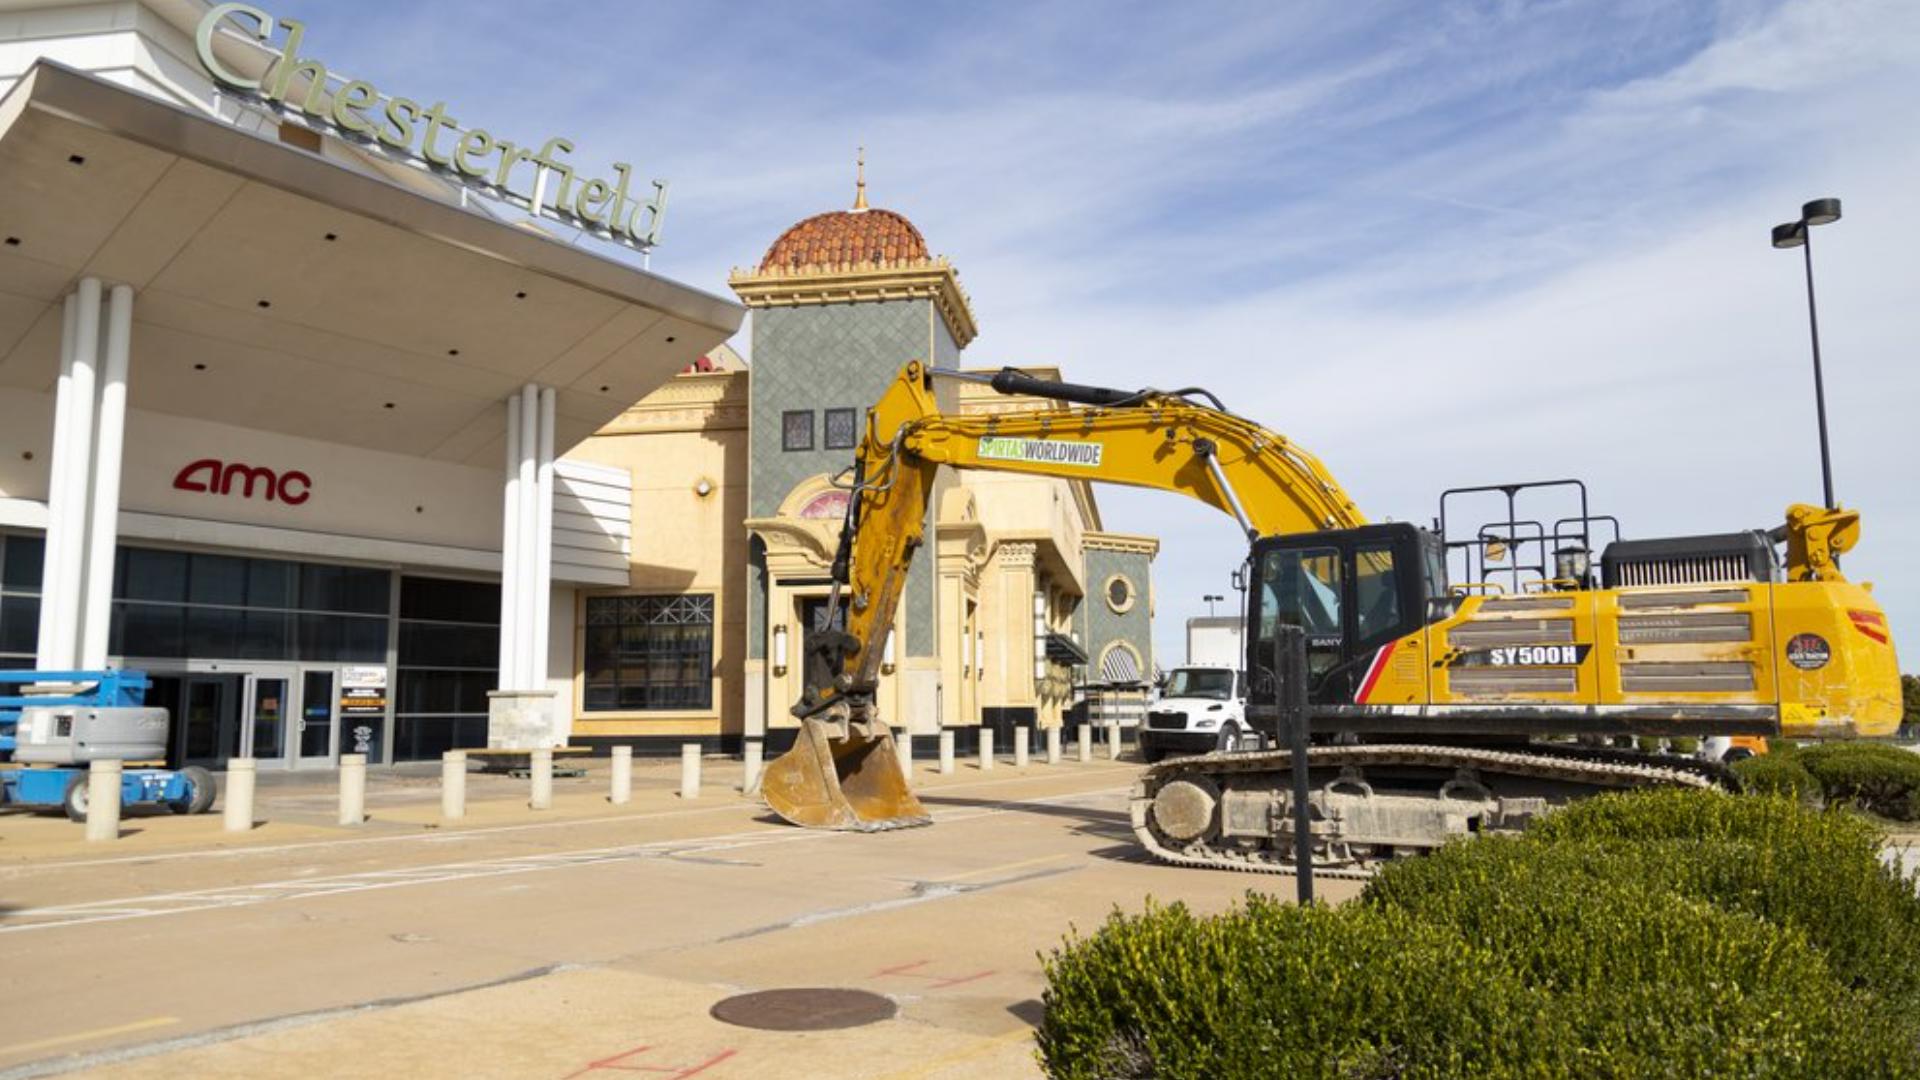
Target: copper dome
{"type": "Point", "coordinates": [847, 238]}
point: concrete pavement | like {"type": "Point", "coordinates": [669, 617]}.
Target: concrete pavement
{"type": "Point", "coordinates": [584, 940]}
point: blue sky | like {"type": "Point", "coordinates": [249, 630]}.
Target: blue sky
{"type": "Point", "coordinates": [1437, 243]}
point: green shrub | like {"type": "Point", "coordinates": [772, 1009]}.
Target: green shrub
{"type": "Point", "coordinates": [1669, 933]}
{"type": "Point", "coordinates": [1640, 979]}
{"type": "Point", "coordinates": [1777, 774]}
{"type": "Point", "coordinates": [1273, 990]}
{"type": "Point", "coordinates": [1655, 744]}
{"type": "Point", "coordinates": [1876, 777]}
{"type": "Point", "coordinates": [1819, 873]}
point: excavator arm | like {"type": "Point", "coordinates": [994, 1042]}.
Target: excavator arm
{"type": "Point", "coordinates": [842, 771]}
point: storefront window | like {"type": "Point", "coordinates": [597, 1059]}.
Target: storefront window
{"type": "Point", "coordinates": [20, 559]}
{"type": "Point", "coordinates": [649, 653]}
{"type": "Point", "coordinates": [449, 656]}
{"type": "Point", "coordinates": [177, 604]}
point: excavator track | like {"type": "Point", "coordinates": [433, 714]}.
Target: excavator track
{"type": "Point", "coordinates": [1259, 782]}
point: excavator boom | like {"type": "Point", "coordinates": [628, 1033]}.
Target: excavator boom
{"type": "Point", "coordinates": [840, 772]}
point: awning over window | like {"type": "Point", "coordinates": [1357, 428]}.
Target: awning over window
{"type": "Point", "coordinates": [1062, 649]}
{"type": "Point", "coordinates": [1120, 666]}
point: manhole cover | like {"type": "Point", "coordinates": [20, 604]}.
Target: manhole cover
{"type": "Point", "coordinates": [804, 1009]}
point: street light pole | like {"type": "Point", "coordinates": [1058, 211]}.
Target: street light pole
{"type": "Point", "coordinates": [1799, 234]}
{"type": "Point", "coordinates": [1819, 383]}
{"type": "Point", "coordinates": [1211, 599]}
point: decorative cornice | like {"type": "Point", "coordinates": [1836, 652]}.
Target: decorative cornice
{"type": "Point", "coordinates": [916, 279]}
{"type": "Point", "coordinates": [1015, 553]}
{"type": "Point", "coordinates": [813, 541]}
{"type": "Point", "coordinates": [1130, 543]}
{"type": "Point", "coordinates": [702, 401]}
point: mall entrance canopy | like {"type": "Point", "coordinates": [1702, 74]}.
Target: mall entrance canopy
{"type": "Point", "coordinates": [257, 283]}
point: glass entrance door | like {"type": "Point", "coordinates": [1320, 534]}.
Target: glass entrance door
{"type": "Point", "coordinates": [207, 730]}
{"type": "Point", "coordinates": [265, 721]}
{"type": "Point", "coordinates": [318, 741]}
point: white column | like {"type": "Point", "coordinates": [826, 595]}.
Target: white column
{"type": "Point", "coordinates": [540, 765]}
{"type": "Point", "coordinates": [109, 438]}
{"type": "Point", "coordinates": [510, 552]}
{"type": "Point", "coordinates": [353, 789]}
{"type": "Point", "coordinates": [543, 543]}
{"type": "Point", "coordinates": [453, 785]}
{"type": "Point", "coordinates": [690, 770]}
{"type": "Point", "coordinates": [103, 799]}
{"type": "Point", "coordinates": [65, 594]}
{"type": "Point", "coordinates": [751, 754]}
{"type": "Point", "coordinates": [237, 814]}
{"type": "Point", "coordinates": [524, 605]}
{"type": "Point", "coordinates": [59, 463]}
{"type": "Point", "coordinates": [621, 782]}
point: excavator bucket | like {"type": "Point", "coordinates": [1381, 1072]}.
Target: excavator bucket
{"type": "Point", "coordinates": [851, 783]}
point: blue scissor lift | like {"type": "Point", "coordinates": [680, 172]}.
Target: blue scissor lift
{"type": "Point", "coordinates": [46, 767]}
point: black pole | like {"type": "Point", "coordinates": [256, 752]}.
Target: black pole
{"type": "Point", "coordinates": [1290, 686]}
{"type": "Point", "coordinates": [1819, 384]}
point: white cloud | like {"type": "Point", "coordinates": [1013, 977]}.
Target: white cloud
{"type": "Point", "coordinates": [1437, 243]}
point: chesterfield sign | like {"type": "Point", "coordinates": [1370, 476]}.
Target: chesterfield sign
{"type": "Point", "coordinates": [537, 180]}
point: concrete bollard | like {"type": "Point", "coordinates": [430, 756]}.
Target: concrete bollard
{"type": "Point", "coordinates": [236, 815]}
{"type": "Point", "coordinates": [946, 752]}
{"type": "Point", "coordinates": [986, 748]}
{"type": "Point", "coordinates": [353, 789]}
{"type": "Point", "coordinates": [453, 785]}
{"type": "Point", "coordinates": [541, 766]}
{"type": "Point", "coordinates": [621, 791]}
{"type": "Point", "coordinates": [1053, 745]}
{"type": "Point", "coordinates": [1020, 750]}
{"type": "Point", "coordinates": [903, 750]}
{"type": "Point", "coordinates": [103, 800]}
{"type": "Point", "coordinates": [1113, 740]}
{"type": "Point", "coordinates": [752, 758]}
{"type": "Point", "coordinates": [690, 770]}
{"type": "Point", "coordinates": [1084, 736]}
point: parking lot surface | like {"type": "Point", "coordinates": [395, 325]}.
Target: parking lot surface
{"type": "Point", "coordinates": [586, 940]}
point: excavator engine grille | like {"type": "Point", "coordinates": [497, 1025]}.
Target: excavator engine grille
{"type": "Point", "coordinates": [1690, 560]}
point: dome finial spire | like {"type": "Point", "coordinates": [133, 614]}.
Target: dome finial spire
{"type": "Point", "coordinates": [860, 181]}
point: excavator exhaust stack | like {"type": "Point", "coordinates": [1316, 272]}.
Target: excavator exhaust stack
{"type": "Point", "coordinates": [842, 775]}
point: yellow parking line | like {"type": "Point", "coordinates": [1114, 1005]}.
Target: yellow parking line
{"type": "Point", "coordinates": [1004, 867]}
{"type": "Point", "coordinates": [83, 1036]}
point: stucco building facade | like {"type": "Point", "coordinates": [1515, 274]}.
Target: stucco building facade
{"type": "Point", "coordinates": [1006, 621]}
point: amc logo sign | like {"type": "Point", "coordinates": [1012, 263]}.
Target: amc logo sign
{"type": "Point", "coordinates": [214, 477]}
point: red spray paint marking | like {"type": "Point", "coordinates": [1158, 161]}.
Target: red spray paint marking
{"type": "Point", "coordinates": [619, 1063]}
{"type": "Point", "coordinates": [940, 982]}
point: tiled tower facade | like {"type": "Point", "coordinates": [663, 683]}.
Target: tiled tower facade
{"type": "Point", "coordinates": [840, 302]}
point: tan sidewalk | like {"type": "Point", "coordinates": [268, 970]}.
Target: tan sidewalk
{"type": "Point", "coordinates": [584, 941]}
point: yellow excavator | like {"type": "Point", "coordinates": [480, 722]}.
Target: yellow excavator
{"type": "Point", "coordinates": [1437, 711]}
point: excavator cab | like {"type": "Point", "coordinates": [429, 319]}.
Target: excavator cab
{"type": "Point", "coordinates": [1353, 590]}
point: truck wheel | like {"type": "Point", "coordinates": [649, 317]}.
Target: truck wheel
{"type": "Point", "coordinates": [1229, 740]}
{"type": "Point", "coordinates": [200, 792]}
{"type": "Point", "coordinates": [74, 802]}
